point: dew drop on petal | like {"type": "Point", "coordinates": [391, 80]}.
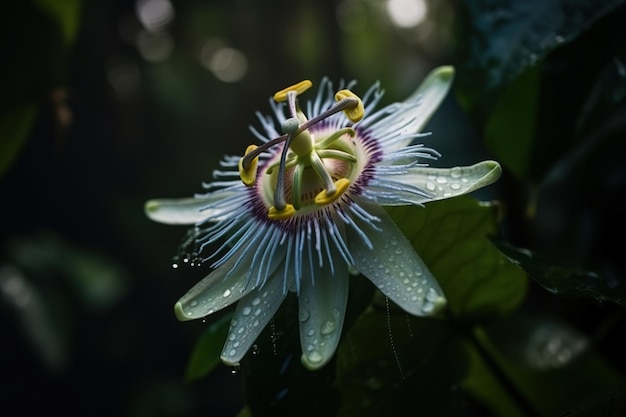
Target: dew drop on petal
{"type": "Point", "coordinates": [455, 186]}
{"type": "Point", "coordinates": [428, 307]}
{"type": "Point", "coordinates": [246, 311]}
{"type": "Point", "coordinates": [455, 172]}
{"type": "Point", "coordinates": [226, 293]}
{"type": "Point", "coordinates": [432, 295]}
{"type": "Point", "coordinates": [232, 352]}
{"type": "Point", "coordinates": [314, 356]}
{"type": "Point", "coordinates": [430, 186]}
{"type": "Point", "coordinates": [256, 301]}
{"type": "Point", "coordinates": [328, 327]}
{"type": "Point", "coordinates": [304, 315]}
{"type": "Point", "coordinates": [193, 303]}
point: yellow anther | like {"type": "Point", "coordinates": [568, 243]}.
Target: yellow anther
{"type": "Point", "coordinates": [248, 176]}
{"type": "Point", "coordinates": [354, 113]}
{"type": "Point", "coordinates": [287, 212]}
{"type": "Point", "coordinates": [323, 198]}
{"type": "Point", "coordinates": [299, 88]}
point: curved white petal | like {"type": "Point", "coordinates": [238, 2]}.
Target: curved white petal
{"type": "Point", "coordinates": [394, 267]}
{"type": "Point", "coordinates": [434, 183]}
{"type": "Point", "coordinates": [252, 314]}
{"type": "Point", "coordinates": [411, 115]}
{"type": "Point", "coordinates": [186, 210]}
{"type": "Point", "coordinates": [223, 287]}
{"type": "Point", "coordinates": [322, 305]}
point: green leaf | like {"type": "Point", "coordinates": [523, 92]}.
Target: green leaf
{"type": "Point", "coordinates": [451, 237]}
{"type": "Point", "coordinates": [501, 39]}
{"type": "Point", "coordinates": [510, 129]}
{"type": "Point", "coordinates": [66, 13]}
{"type": "Point", "coordinates": [583, 378]}
{"type": "Point", "coordinates": [566, 281]}
{"type": "Point", "coordinates": [205, 355]}
{"type": "Point", "coordinates": [390, 361]}
{"type": "Point", "coordinates": [15, 126]}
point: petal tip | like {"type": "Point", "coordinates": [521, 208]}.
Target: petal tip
{"type": "Point", "coordinates": [180, 312]}
{"type": "Point", "coordinates": [313, 361]}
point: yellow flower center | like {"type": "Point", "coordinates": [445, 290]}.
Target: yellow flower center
{"type": "Point", "coordinates": [314, 169]}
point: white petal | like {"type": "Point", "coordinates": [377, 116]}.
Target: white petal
{"type": "Point", "coordinates": [252, 314]}
{"type": "Point", "coordinates": [322, 307]}
{"type": "Point", "coordinates": [394, 267]}
{"type": "Point", "coordinates": [411, 115]}
{"type": "Point", "coordinates": [185, 210]}
{"type": "Point", "coordinates": [214, 292]}
{"type": "Point", "coordinates": [441, 183]}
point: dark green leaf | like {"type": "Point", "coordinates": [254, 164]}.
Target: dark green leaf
{"type": "Point", "coordinates": [205, 355]}
{"type": "Point", "coordinates": [503, 38]}
{"type": "Point", "coordinates": [15, 126]}
{"type": "Point", "coordinates": [510, 129]}
{"type": "Point", "coordinates": [390, 362]}
{"type": "Point", "coordinates": [586, 377]}
{"type": "Point", "coordinates": [567, 281]}
{"type": "Point", "coordinates": [451, 238]}
{"type": "Point", "coordinates": [66, 13]}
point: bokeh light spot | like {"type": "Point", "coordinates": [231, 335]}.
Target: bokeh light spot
{"type": "Point", "coordinates": [406, 13]}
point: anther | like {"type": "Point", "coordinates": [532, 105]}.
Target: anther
{"type": "Point", "coordinates": [353, 113]}
{"type": "Point", "coordinates": [299, 88]}
{"type": "Point", "coordinates": [252, 153]}
{"type": "Point", "coordinates": [324, 197]}
{"type": "Point", "coordinates": [248, 173]}
{"type": "Point", "coordinates": [282, 214]}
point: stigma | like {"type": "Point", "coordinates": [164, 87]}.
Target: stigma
{"type": "Point", "coordinates": [315, 166]}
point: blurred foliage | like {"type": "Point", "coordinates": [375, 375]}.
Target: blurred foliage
{"type": "Point", "coordinates": [103, 108]}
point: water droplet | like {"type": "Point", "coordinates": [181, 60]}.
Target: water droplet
{"type": "Point", "coordinates": [257, 312]}
{"type": "Point", "coordinates": [455, 186]}
{"type": "Point", "coordinates": [231, 337]}
{"type": "Point", "coordinates": [232, 352]}
{"type": "Point", "coordinates": [314, 356]}
{"type": "Point", "coordinates": [311, 332]}
{"type": "Point", "coordinates": [246, 311]}
{"type": "Point", "coordinates": [193, 303]}
{"type": "Point", "coordinates": [240, 330]}
{"type": "Point", "coordinates": [304, 315]}
{"type": "Point", "coordinates": [430, 186]}
{"type": "Point", "coordinates": [455, 172]}
{"type": "Point", "coordinates": [255, 349]}
{"type": "Point", "coordinates": [328, 327]}
{"type": "Point", "coordinates": [235, 369]}
{"type": "Point", "coordinates": [256, 301]}
{"type": "Point", "coordinates": [226, 293]}
{"type": "Point", "coordinates": [174, 265]}
{"type": "Point", "coordinates": [310, 348]}
{"type": "Point", "coordinates": [428, 307]}
{"type": "Point", "coordinates": [442, 180]}
{"type": "Point", "coordinates": [432, 295]}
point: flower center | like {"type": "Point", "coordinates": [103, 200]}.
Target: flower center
{"type": "Point", "coordinates": [315, 166]}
